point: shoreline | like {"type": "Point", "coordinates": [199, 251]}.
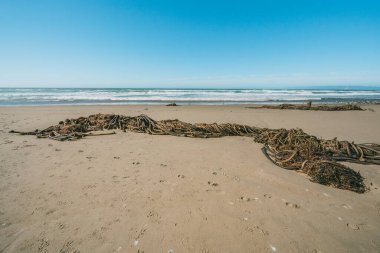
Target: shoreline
{"type": "Point", "coordinates": [211, 103]}
{"type": "Point", "coordinates": [128, 96]}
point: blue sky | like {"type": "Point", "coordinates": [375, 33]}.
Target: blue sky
{"type": "Point", "coordinates": [233, 44]}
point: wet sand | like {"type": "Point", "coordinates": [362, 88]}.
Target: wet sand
{"type": "Point", "coordinates": [133, 192]}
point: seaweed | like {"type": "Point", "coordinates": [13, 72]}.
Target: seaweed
{"type": "Point", "coordinates": [309, 107]}
{"type": "Point", "coordinates": [290, 149]}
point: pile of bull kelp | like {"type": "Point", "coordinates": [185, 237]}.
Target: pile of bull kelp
{"type": "Point", "coordinates": [310, 107]}
{"type": "Point", "coordinates": [289, 149]}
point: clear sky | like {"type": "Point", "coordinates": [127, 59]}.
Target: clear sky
{"type": "Point", "coordinates": [234, 44]}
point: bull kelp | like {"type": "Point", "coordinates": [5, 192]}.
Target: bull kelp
{"type": "Point", "coordinates": [289, 149]}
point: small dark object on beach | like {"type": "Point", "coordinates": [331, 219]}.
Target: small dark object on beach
{"type": "Point", "coordinates": [172, 104]}
{"type": "Point", "coordinates": [290, 149]}
{"type": "Point", "coordinates": [309, 107]}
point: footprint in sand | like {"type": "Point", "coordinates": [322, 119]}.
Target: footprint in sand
{"type": "Point", "coordinates": [141, 233]}
{"type": "Point", "coordinates": [257, 229]}
{"type": "Point", "coordinates": [154, 216]}
{"type": "Point", "coordinates": [61, 226]}
{"type": "Point", "coordinates": [6, 224]}
{"type": "Point", "coordinates": [292, 205]}
{"type": "Point", "coordinates": [50, 211]}
{"type": "Point", "coordinates": [43, 243]}
{"type": "Point", "coordinates": [353, 226]}
{"type": "Point", "coordinates": [89, 186]}
{"type": "Point", "coordinates": [212, 184]}
{"type": "Point", "coordinates": [346, 206]}
{"type": "Point", "coordinates": [245, 198]}
{"type": "Point", "coordinates": [68, 247]}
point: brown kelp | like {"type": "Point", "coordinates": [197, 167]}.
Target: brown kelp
{"type": "Point", "coordinates": [309, 107]}
{"type": "Point", "coordinates": [290, 149]}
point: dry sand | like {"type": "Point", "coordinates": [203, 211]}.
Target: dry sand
{"type": "Point", "coordinates": [133, 192]}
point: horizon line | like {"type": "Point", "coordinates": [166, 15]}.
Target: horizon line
{"type": "Point", "coordinates": [326, 87]}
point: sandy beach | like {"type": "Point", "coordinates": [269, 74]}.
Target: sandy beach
{"type": "Point", "coordinates": [134, 192]}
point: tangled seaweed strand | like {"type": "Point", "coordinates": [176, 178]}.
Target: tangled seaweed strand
{"type": "Point", "coordinates": [309, 107]}
{"type": "Point", "coordinates": [290, 149]}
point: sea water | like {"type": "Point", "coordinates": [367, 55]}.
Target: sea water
{"type": "Point", "coordinates": [115, 96]}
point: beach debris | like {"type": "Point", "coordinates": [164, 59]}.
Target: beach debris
{"type": "Point", "coordinates": [309, 107]}
{"type": "Point", "coordinates": [290, 149]}
{"type": "Point", "coordinates": [172, 104]}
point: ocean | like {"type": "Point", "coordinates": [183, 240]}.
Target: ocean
{"type": "Point", "coordinates": [121, 96]}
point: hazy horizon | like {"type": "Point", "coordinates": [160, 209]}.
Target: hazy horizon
{"type": "Point", "coordinates": [257, 87]}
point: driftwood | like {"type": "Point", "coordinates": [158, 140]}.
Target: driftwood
{"type": "Point", "coordinates": [289, 149]}
{"type": "Point", "coordinates": [172, 104]}
{"type": "Point", "coordinates": [309, 107]}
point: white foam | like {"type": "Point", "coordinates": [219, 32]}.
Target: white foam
{"type": "Point", "coordinates": [93, 96]}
